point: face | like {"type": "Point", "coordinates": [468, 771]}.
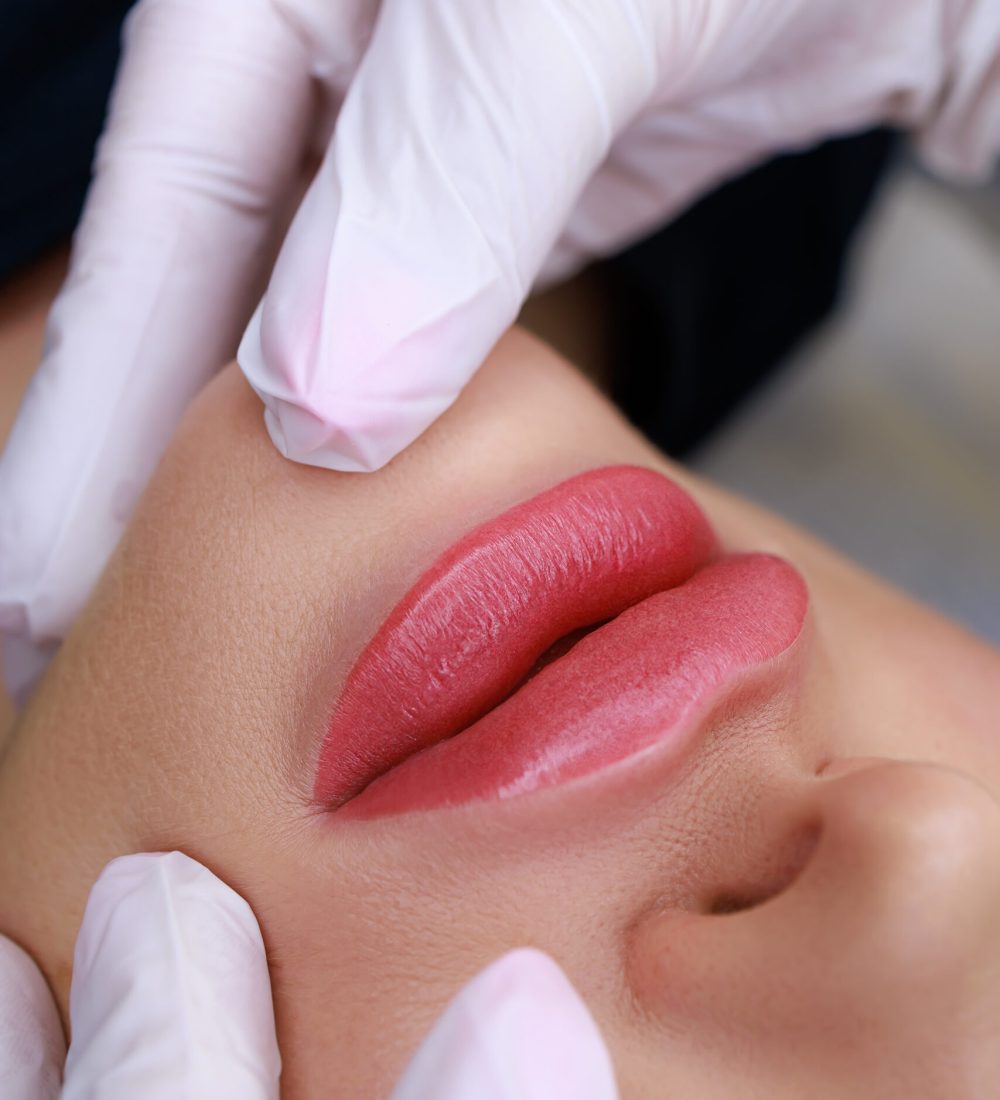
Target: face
{"type": "Point", "coordinates": [784, 884]}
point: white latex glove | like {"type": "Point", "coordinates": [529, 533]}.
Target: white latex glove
{"type": "Point", "coordinates": [517, 1031]}
{"type": "Point", "coordinates": [171, 998]}
{"type": "Point", "coordinates": [479, 145]}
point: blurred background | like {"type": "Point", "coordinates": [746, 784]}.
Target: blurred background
{"type": "Point", "coordinates": [881, 433]}
{"type": "Point", "coordinates": [822, 335]}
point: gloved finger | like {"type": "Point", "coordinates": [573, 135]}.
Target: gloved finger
{"type": "Point", "coordinates": [922, 65]}
{"type": "Point", "coordinates": [517, 1029]}
{"type": "Point", "coordinates": [850, 73]}
{"type": "Point", "coordinates": [461, 147]}
{"type": "Point", "coordinates": [336, 36]}
{"type": "Point", "coordinates": [661, 165]}
{"type": "Point", "coordinates": [32, 1046]}
{"type": "Point", "coordinates": [207, 124]}
{"type": "Point", "coordinates": [963, 137]}
{"type": "Point", "coordinates": [171, 994]}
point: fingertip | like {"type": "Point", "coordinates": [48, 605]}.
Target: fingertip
{"type": "Point", "coordinates": [170, 984]}
{"type": "Point", "coordinates": [32, 1046]}
{"type": "Point", "coordinates": [172, 881]}
{"type": "Point", "coordinates": [519, 1028]}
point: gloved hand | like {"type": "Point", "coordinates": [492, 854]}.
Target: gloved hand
{"type": "Point", "coordinates": [171, 997]}
{"type": "Point", "coordinates": [479, 145]}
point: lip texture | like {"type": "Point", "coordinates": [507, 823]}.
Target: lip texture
{"type": "Point", "coordinates": [504, 610]}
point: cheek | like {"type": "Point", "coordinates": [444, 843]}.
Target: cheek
{"type": "Point", "coordinates": [369, 949]}
{"type": "Point", "coordinates": [911, 685]}
{"type": "Point", "coordinates": [369, 939]}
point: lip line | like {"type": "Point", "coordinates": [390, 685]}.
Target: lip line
{"type": "Point", "coordinates": [458, 733]}
{"type": "Point", "coordinates": [697, 715]}
{"type": "Point", "coordinates": [673, 659]}
{"type": "Point", "coordinates": [571, 556]}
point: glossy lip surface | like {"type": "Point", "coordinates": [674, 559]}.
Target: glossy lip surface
{"type": "Point", "coordinates": [574, 631]}
{"type": "Point", "coordinates": [477, 622]}
{"type": "Point", "coordinates": [644, 679]}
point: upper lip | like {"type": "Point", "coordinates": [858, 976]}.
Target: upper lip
{"type": "Point", "coordinates": [482, 617]}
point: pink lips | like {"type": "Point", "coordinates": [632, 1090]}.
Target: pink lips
{"type": "Point", "coordinates": [474, 689]}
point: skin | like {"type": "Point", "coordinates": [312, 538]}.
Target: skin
{"type": "Point", "coordinates": [804, 905]}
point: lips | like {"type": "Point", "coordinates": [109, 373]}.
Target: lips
{"type": "Point", "coordinates": [573, 631]}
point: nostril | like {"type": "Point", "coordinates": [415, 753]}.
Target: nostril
{"type": "Point", "coordinates": [726, 903]}
{"type": "Point", "coordinates": [774, 878]}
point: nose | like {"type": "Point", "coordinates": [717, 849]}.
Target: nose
{"type": "Point", "coordinates": [907, 868]}
{"type": "Point", "coordinates": [877, 966]}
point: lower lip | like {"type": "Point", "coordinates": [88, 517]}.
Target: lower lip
{"type": "Point", "coordinates": [647, 679]}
